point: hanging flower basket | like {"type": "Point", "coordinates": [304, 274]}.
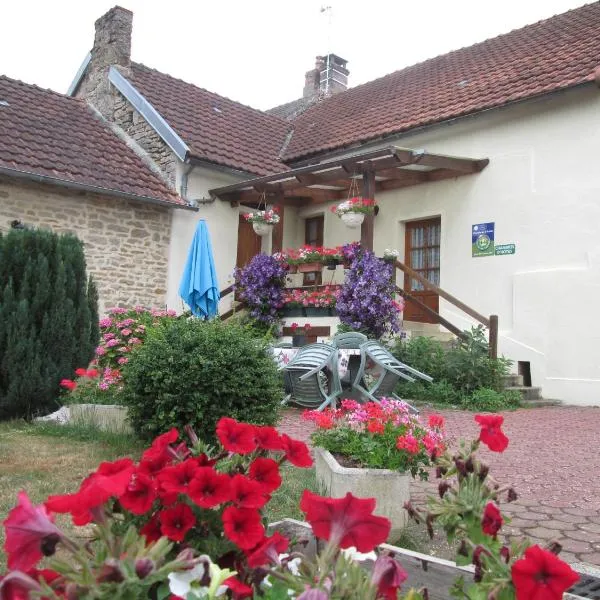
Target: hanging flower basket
{"type": "Point", "coordinates": [262, 228]}
{"type": "Point", "coordinates": [312, 267]}
{"type": "Point", "coordinates": [352, 219]}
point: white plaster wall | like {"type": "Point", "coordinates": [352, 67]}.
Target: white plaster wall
{"type": "Point", "coordinates": [542, 190]}
{"type": "Point", "coordinates": [222, 222]}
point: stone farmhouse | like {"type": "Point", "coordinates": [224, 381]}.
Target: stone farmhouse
{"type": "Point", "coordinates": [482, 162]}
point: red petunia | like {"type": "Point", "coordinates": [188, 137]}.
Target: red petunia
{"type": "Point", "coordinates": [209, 488]}
{"type": "Point", "coordinates": [491, 520]}
{"type": "Point", "coordinates": [247, 493]}
{"type": "Point", "coordinates": [140, 494]}
{"type": "Point", "coordinates": [436, 421]}
{"type": "Point", "coordinates": [28, 528]}
{"type": "Point", "coordinates": [176, 521]}
{"type": "Point", "coordinates": [388, 576]}
{"type": "Point", "coordinates": [243, 526]}
{"type": "Point", "coordinates": [68, 384]}
{"type": "Point", "coordinates": [176, 478]}
{"type": "Point", "coordinates": [346, 521]}
{"type": "Point", "coordinates": [267, 553]}
{"type": "Point", "coordinates": [151, 530]}
{"type": "Point", "coordinates": [296, 452]}
{"type": "Point", "coordinates": [491, 433]}
{"type": "Point", "coordinates": [267, 438]}
{"type": "Point", "coordinates": [110, 480]}
{"type": "Point", "coordinates": [238, 588]}
{"type": "Point", "coordinates": [266, 472]}
{"type": "Point", "coordinates": [17, 585]}
{"type": "Point", "coordinates": [158, 455]}
{"type": "Point", "coordinates": [236, 437]}
{"type": "Point", "coordinates": [541, 575]}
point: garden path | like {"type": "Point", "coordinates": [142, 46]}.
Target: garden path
{"type": "Point", "coordinates": [553, 462]}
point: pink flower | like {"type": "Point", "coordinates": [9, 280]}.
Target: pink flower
{"type": "Point", "coordinates": [106, 322]}
{"type": "Point", "coordinates": [123, 360]}
{"type": "Point", "coordinates": [112, 343]}
{"type": "Point", "coordinates": [134, 340]}
{"type": "Point", "coordinates": [28, 529]}
{"type": "Point", "coordinates": [124, 349]}
{"type": "Point", "coordinates": [100, 351]}
{"type": "Point", "coordinates": [108, 336]}
{"type": "Point", "coordinates": [103, 385]}
{"type": "Point", "coordinates": [125, 332]}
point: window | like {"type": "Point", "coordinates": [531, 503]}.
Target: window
{"type": "Point", "coordinates": [423, 251]}
{"type": "Point", "coordinates": [313, 236]}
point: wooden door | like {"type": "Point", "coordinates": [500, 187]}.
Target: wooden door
{"type": "Point", "coordinates": [422, 254]}
{"type": "Point", "coordinates": [249, 244]}
{"type": "Point", "coordinates": [313, 236]}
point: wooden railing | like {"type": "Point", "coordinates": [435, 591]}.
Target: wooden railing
{"type": "Point", "coordinates": [490, 322]}
{"type": "Point", "coordinates": [232, 311]}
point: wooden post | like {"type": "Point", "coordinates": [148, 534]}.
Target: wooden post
{"type": "Point", "coordinates": [277, 234]}
{"type": "Point", "coordinates": [368, 193]}
{"type": "Point", "coordinates": [493, 336]}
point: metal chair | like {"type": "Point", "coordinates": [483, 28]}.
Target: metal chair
{"type": "Point", "coordinates": [350, 341]}
{"type": "Point", "coordinates": [392, 370]}
{"type": "Point", "coordinates": [308, 375]}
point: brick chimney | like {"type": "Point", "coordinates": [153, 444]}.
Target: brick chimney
{"type": "Point", "coordinates": [330, 76]}
{"type": "Point", "coordinates": [112, 47]}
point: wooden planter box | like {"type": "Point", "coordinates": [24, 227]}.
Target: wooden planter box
{"type": "Point", "coordinates": [390, 489]}
{"type": "Point", "coordinates": [313, 267]}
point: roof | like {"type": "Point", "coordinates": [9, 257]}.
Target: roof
{"type": "Point", "coordinates": [215, 129]}
{"type": "Point", "coordinates": [43, 133]}
{"type": "Point", "coordinates": [548, 56]}
{"type": "Point", "coordinates": [290, 110]}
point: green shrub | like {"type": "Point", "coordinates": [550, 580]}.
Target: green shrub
{"type": "Point", "coordinates": [195, 372]}
{"type": "Point", "coordinates": [437, 392]}
{"type": "Point", "coordinates": [489, 400]}
{"type": "Point", "coordinates": [424, 354]}
{"type": "Point", "coordinates": [48, 318]}
{"type": "Point", "coordinates": [88, 392]}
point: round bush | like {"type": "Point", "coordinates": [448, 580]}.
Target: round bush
{"type": "Point", "coordinates": [195, 372]}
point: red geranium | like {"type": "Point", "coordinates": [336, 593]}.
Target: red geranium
{"type": "Point", "coordinates": [267, 438]}
{"type": "Point", "coordinates": [388, 576]}
{"type": "Point", "coordinates": [140, 494]}
{"type": "Point", "coordinates": [209, 488]}
{"type": "Point", "coordinates": [266, 472]}
{"type": "Point", "coordinates": [236, 437]}
{"type": "Point", "coordinates": [375, 427]}
{"type": "Point", "coordinates": [408, 443]}
{"type": "Point", "coordinates": [491, 433]}
{"type": "Point", "coordinates": [68, 384]}
{"type": "Point", "coordinates": [345, 521]}
{"type": "Point", "coordinates": [247, 493]}
{"type": "Point", "coordinates": [243, 526]}
{"type": "Point", "coordinates": [80, 372]}
{"type": "Point", "coordinates": [267, 553]}
{"type": "Point", "coordinates": [176, 521]}
{"type": "Point", "coordinates": [491, 520]}
{"type": "Point", "coordinates": [436, 421]}
{"type": "Point", "coordinates": [541, 575]}
{"type": "Point", "coordinates": [27, 527]}
{"type": "Point", "coordinates": [296, 452]}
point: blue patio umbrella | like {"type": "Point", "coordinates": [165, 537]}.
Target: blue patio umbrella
{"type": "Point", "coordinates": [199, 287]}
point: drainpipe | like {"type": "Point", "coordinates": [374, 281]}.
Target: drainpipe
{"type": "Point", "coordinates": [183, 188]}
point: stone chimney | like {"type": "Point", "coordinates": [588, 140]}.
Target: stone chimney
{"type": "Point", "coordinates": [333, 78]}
{"type": "Point", "coordinates": [112, 47]}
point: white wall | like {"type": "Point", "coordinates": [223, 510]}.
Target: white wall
{"type": "Point", "coordinates": [542, 190]}
{"type": "Point", "coordinates": [222, 222]}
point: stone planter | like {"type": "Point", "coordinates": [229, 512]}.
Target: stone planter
{"type": "Point", "coordinates": [352, 219]}
{"type": "Point", "coordinates": [313, 267]}
{"type": "Point", "coordinates": [389, 488]}
{"type": "Point", "coordinates": [262, 228]}
{"type": "Point", "coordinates": [107, 417]}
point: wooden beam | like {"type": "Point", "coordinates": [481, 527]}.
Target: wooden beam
{"type": "Point", "coordinates": [368, 193]}
{"type": "Point", "coordinates": [463, 165]}
{"type": "Point", "coordinates": [277, 234]}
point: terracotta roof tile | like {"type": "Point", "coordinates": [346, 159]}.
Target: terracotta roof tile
{"type": "Point", "coordinates": [45, 133]}
{"type": "Point", "coordinates": [547, 56]}
{"type": "Point", "coordinates": [215, 128]}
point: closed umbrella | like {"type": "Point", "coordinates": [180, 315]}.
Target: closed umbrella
{"type": "Point", "coordinates": [199, 287]}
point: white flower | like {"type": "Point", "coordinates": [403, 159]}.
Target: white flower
{"type": "Point", "coordinates": [180, 582]}
{"type": "Point", "coordinates": [389, 253]}
{"type": "Point", "coordinates": [293, 565]}
{"type": "Point", "coordinates": [352, 553]}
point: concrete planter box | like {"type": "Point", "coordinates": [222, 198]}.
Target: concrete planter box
{"type": "Point", "coordinates": [390, 489]}
{"type": "Point", "coordinates": [107, 417]}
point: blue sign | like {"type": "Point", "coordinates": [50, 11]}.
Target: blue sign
{"type": "Point", "coordinates": [482, 239]}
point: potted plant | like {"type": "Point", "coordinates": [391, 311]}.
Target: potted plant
{"type": "Point", "coordinates": [353, 211]}
{"type": "Point", "coordinates": [373, 449]}
{"type": "Point", "coordinates": [263, 220]}
{"type": "Point", "coordinates": [390, 256]}
{"type": "Point", "coordinates": [332, 257]}
{"type": "Point", "coordinates": [349, 252]}
{"type": "Point", "coordinates": [310, 259]}
{"type": "Point", "coordinates": [293, 303]}
{"type": "Point", "coordinates": [299, 334]}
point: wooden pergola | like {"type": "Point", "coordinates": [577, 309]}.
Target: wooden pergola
{"type": "Point", "coordinates": [381, 170]}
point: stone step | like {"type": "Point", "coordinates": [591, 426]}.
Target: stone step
{"type": "Point", "coordinates": [512, 380]}
{"type": "Point", "coordinates": [541, 402]}
{"type": "Point", "coordinates": [527, 393]}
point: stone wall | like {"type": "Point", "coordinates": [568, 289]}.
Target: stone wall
{"type": "Point", "coordinates": [126, 242]}
{"type": "Point", "coordinates": [137, 128]}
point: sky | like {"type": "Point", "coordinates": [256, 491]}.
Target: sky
{"type": "Point", "coordinates": [255, 52]}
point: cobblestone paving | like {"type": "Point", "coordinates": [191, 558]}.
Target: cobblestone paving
{"type": "Point", "coordinates": [553, 462]}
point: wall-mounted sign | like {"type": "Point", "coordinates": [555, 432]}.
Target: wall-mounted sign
{"type": "Point", "coordinates": [482, 239]}
{"type": "Point", "coordinates": [502, 249]}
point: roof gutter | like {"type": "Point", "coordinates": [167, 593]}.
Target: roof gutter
{"type": "Point", "coordinates": [93, 189]}
{"type": "Point", "coordinates": [391, 138]}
